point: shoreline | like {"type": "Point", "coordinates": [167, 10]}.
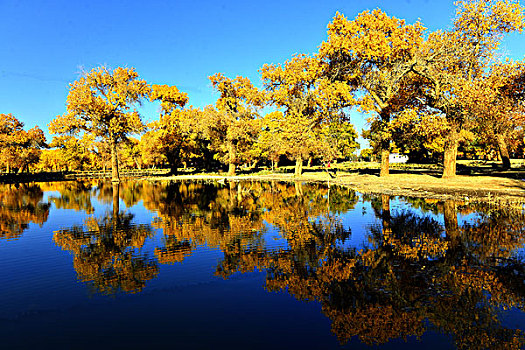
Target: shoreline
{"type": "Point", "coordinates": [476, 188]}
{"type": "Point", "coordinates": [462, 187]}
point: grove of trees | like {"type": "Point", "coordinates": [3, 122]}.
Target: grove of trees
{"type": "Point", "coordinates": [428, 94]}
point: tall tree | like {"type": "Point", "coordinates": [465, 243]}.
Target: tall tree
{"type": "Point", "coordinates": [177, 136]}
{"type": "Point", "coordinates": [308, 100]}
{"type": "Point", "coordinates": [102, 103]}
{"type": "Point", "coordinates": [233, 127]}
{"type": "Point", "coordinates": [499, 107]}
{"type": "Point", "coordinates": [374, 53]}
{"type": "Point", "coordinates": [451, 61]}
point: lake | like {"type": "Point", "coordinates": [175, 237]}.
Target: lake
{"type": "Point", "coordinates": [255, 265]}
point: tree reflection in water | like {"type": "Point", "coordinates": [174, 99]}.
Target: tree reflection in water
{"type": "Point", "coordinates": [20, 205]}
{"type": "Point", "coordinates": [107, 251]}
{"type": "Point", "coordinates": [417, 273]}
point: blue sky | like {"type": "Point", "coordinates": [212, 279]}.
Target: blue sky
{"type": "Point", "coordinates": [46, 44]}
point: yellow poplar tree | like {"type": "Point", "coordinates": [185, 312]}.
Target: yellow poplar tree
{"type": "Point", "coordinates": [166, 136]}
{"type": "Point", "coordinates": [499, 106]}
{"type": "Point", "coordinates": [101, 103]}
{"type": "Point", "coordinates": [451, 61]}
{"type": "Point", "coordinates": [374, 53]}
{"type": "Point", "coordinates": [308, 100]}
{"type": "Point", "coordinates": [234, 126]}
{"type": "Point", "coordinates": [19, 148]}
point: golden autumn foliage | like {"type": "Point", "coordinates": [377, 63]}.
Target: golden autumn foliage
{"type": "Point", "coordinates": [427, 93]}
{"type": "Point", "coordinates": [19, 148]}
{"type": "Point", "coordinates": [499, 106]}
{"type": "Point", "coordinates": [170, 97]}
{"type": "Point", "coordinates": [73, 153]}
{"type": "Point", "coordinates": [232, 127]}
{"type": "Point", "coordinates": [451, 61]}
{"type": "Point", "coordinates": [374, 53]}
{"type": "Point", "coordinates": [177, 137]}
{"type": "Point", "coordinates": [309, 101]}
{"type": "Point", "coordinates": [101, 103]}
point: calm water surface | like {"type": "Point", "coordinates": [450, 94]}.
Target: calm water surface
{"type": "Point", "coordinates": [254, 265]}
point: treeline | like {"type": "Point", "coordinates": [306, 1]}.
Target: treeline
{"type": "Point", "coordinates": [427, 94]}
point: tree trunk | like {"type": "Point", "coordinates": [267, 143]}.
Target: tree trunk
{"type": "Point", "coordinates": [8, 169]}
{"type": "Point", "coordinates": [451, 221]}
{"type": "Point", "coordinates": [231, 161]}
{"type": "Point", "coordinates": [385, 158]}
{"type": "Point", "coordinates": [116, 196]}
{"type": "Point", "coordinates": [299, 166]}
{"type": "Point", "coordinates": [232, 194]}
{"type": "Point", "coordinates": [503, 151]}
{"type": "Point", "coordinates": [385, 214]}
{"type": "Point", "coordinates": [173, 166]}
{"type": "Point", "coordinates": [137, 164]}
{"type": "Point", "coordinates": [310, 159]}
{"type": "Point", "coordinates": [239, 192]}
{"type": "Point", "coordinates": [385, 145]}
{"type": "Point", "coordinates": [451, 153]}
{"type": "Point", "coordinates": [114, 161]}
{"type": "Point", "coordinates": [298, 188]}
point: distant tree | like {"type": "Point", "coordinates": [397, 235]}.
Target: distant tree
{"type": "Point", "coordinates": [232, 128]}
{"type": "Point", "coordinates": [19, 148]}
{"type": "Point", "coordinates": [100, 103]}
{"type": "Point", "coordinates": [270, 143]}
{"type": "Point", "coordinates": [178, 135]}
{"type": "Point", "coordinates": [74, 152]}
{"type": "Point", "coordinates": [130, 153]}
{"type": "Point", "coordinates": [341, 136]}
{"type": "Point", "coordinates": [308, 102]}
{"type": "Point", "coordinates": [419, 132]}
{"type": "Point", "coordinates": [50, 160]}
{"type": "Point", "coordinates": [366, 154]}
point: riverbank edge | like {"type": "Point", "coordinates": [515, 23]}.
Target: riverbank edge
{"type": "Point", "coordinates": [494, 190]}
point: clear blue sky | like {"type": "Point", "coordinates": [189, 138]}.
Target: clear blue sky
{"type": "Point", "coordinates": [45, 44]}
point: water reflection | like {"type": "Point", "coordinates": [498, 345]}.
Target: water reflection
{"type": "Point", "coordinates": [21, 205]}
{"type": "Point", "coordinates": [420, 269]}
{"type": "Point", "coordinates": [75, 195]}
{"type": "Point", "coordinates": [107, 253]}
